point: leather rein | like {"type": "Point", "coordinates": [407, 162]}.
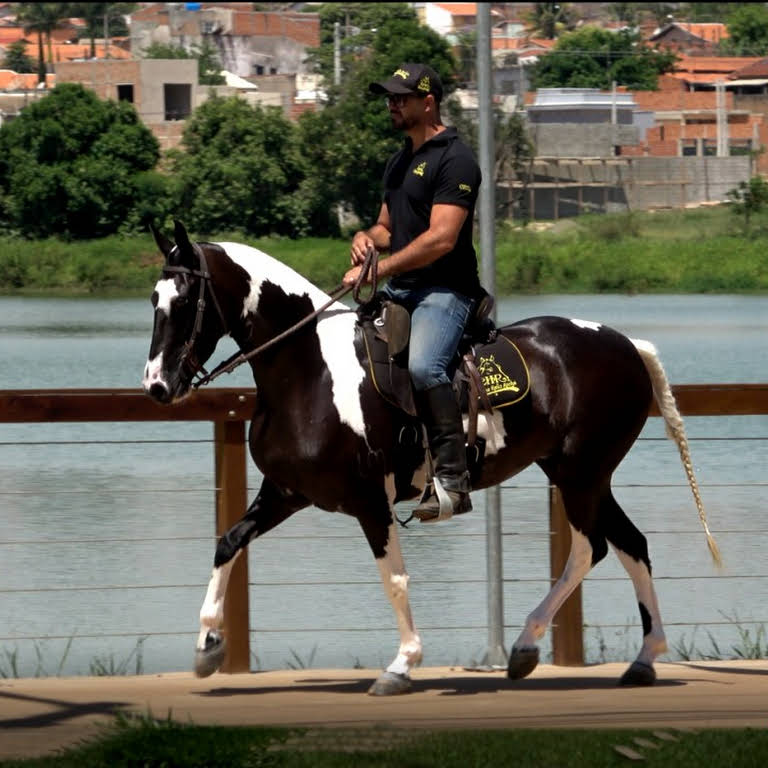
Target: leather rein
{"type": "Point", "coordinates": [370, 265]}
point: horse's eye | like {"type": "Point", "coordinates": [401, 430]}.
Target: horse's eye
{"type": "Point", "coordinates": [181, 301]}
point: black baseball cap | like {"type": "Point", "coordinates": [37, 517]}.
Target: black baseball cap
{"type": "Point", "coordinates": [418, 79]}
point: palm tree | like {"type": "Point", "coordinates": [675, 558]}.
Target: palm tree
{"type": "Point", "coordinates": [549, 19]}
{"type": "Point", "coordinates": [42, 18]}
{"type": "Point", "coordinates": [98, 17]}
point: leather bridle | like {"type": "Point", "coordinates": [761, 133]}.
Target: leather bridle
{"type": "Point", "coordinates": [189, 358]}
{"type": "Point", "coordinates": [189, 361]}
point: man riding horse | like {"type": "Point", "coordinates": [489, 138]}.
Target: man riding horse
{"type": "Point", "coordinates": [425, 223]}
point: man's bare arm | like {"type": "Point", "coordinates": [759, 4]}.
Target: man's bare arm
{"type": "Point", "coordinates": [445, 223]}
{"type": "Point", "coordinates": [378, 237]}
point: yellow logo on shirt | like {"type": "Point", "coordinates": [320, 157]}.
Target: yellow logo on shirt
{"type": "Point", "coordinates": [419, 169]}
{"type": "Point", "coordinates": [465, 188]}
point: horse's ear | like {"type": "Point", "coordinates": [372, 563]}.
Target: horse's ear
{"type": "Point", "coordinates": [163, 243]}
{"type": "Point", "coordinates": [186, 251]}
{"type": "Point", "coordinates": [181, 236]}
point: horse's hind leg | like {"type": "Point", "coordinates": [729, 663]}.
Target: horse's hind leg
{"type": "Point", "coordinates": [631, 547]}
{"type": "Point", "coordinates": [588, 547]}
{"type": "Point", "coordinates": [381, 532]}
{"type": "Point", "coordinates": [270, 507]}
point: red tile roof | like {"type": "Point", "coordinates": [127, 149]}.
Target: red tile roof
{"type": "Point", "coordinates": [711, 32]}
{"type": "Point", "coordinates": [459, 9]}
{"type": "Point", "coordinates": [724, 64]}
{"type": "Point", "coordinates": [758, 69]}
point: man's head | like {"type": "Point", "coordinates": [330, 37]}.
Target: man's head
{"type": "Point", "coordinates": [413, 94]}
{"type": "Point", "coordinates": [411, 79]}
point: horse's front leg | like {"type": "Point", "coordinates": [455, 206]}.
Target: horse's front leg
{"type": "Point", "coordinates": [381, 532]}
{"type": "Point", "coordinates": [270, 507]}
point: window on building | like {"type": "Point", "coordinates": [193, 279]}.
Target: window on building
{"type": "Point", "coordinates": [273, 70]}
{"type": "Point", "coordinates": [178, 100]}
{"type": "Point", "coordinates": [125, 92]}
{"type": "Point", "coordinates": [258, 69]}
{"type": "Point", "coordinates": [689, 148]}
{"type": "Point", "coordinates": [740, 146]}
{"type": "Point", "coordinates": [709, 147]}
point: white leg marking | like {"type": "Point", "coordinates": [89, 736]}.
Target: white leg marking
{"type": "Point", "coordinates": [212, 612]}
{"type": "Point", "coordinates": [655, 642]}
{"type": "Point", "coordinates": [395, 581]}
{"type": "Point", "coordinates": [577, 567]}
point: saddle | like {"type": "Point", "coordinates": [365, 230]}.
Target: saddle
{"type": "Point", "coordinates": [489, 371]}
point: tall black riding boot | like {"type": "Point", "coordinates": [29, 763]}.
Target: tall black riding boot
{"type": "Point", "coordinates": [438, 409]}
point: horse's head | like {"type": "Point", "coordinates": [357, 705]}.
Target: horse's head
{"type": "Point", "coordinates": [184, 334]}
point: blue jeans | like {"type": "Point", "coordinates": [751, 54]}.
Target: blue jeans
{"type": "Point", "coordinates": [438, 318]}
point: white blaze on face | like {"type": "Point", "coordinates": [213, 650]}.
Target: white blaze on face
{"type": "Point", "coordinates": [335, 328]}
{"type": "Point", "coordinates": [166, 292]}
{"type": "Point", "coordinates": [153, 370]}
{"type": "Point", "coordinates": [588, 324]}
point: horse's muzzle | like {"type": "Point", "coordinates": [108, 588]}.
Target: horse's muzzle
{"type": "Point", "coordinates": [159, 392]}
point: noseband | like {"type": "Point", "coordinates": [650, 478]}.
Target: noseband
{"type": "Point", "coordinates": [189, 361]}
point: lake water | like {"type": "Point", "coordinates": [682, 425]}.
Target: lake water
{"type": "Point", "coordinates": [107, 529]}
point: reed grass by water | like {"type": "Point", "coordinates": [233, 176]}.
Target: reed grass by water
{"type": "Point", "coordinates": [675, 251]}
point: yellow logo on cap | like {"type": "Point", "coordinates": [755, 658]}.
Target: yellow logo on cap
{"type": "Point", "coordinates": [465, 188]}
{"type": "Point", "coordinates": [401, 73]}
{"type": "Point", "coordinates": [424, 84]}
{"type": "Point", "coordinates": [419, 169]}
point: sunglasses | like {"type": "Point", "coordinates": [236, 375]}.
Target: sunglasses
{"type": "Point", "coordinates": [398, 99]}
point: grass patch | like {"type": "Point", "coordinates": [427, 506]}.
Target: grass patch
{"type": "Point", "coordinates": [675, 251]}
{"type": "Point", "coordinates": [146, 743]}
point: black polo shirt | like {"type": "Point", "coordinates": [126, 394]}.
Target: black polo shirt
{"type": "Point", "coordinates": [442, 170]}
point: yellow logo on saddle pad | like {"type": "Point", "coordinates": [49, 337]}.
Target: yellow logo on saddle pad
{"type": "Point", "coordinates": [419, 169]}
{"type": "Point", "coordinates": [495, 380]}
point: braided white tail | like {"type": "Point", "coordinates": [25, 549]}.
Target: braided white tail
{"type": "Point", "coordinates": [675, 429]}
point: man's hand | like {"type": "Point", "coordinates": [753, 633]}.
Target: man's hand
{"type": "Point", "coordinates": [361, 242]}
{"type": "Point", "coordinates": [353, 274]}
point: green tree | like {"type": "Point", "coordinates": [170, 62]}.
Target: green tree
{"type": "Point", "coordinates": [69, 164]}
{"type": "Point", "coordinates": [749, 198]}
{"type": "Point", "coordinates": [97, 16]}
{"type": "Point", "coordinates": [594, 58]}
{"type": "Point", "coordinates": [349, 142]}
{"type": "Point", "coordinates": [42, 19]}
{"type": "Point", "coordinates": [208, 64]}
{"type": "Point", "coordinates": [549, 20]}
{"type": "Point", "coordinates": [241, 170]}
{"type": "Point", "coordinates": [748, 31]}
{"type": "Point", "coordinates": [16, 58]}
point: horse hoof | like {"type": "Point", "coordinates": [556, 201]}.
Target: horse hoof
{"type": "Point", "coordinates": [522, 661]}
{"type": "Point", "coordinates": [210, 658]}
{"type": "Point", "coordinates": [390, 684]}
{"type": "Point", "coordinates": [639, 674]}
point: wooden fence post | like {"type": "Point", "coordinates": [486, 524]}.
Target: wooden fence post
{"type": "Point", "coordinates": [567, 625]}
{"type": "Point", "coordinates": [231, 502]}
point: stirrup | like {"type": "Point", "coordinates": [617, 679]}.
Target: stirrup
{"type": "Point", "coordinates": [445, 504]}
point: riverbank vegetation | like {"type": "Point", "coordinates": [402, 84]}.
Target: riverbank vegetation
{"type": "Point", "coordinates": [707, 249]}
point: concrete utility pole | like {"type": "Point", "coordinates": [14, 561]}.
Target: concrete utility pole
{"type": "Point", "coordinates": [336, 53]}
{"type": "Point", "coordinates": [495, 655]}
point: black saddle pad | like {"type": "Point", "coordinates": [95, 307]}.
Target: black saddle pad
{"type": "Point", "coordinates": [503, 371]}
{"type": "Point", "coordinates": [500, 364]}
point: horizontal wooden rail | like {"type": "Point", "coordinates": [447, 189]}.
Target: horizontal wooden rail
{"type": "Point", "coordinates": [237, 404]}
{"type": "Point", "coordinates": [228, 408]}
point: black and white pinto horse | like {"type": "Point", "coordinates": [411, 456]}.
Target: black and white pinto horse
{"type": "Point", "coordinates": [322, 435]}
